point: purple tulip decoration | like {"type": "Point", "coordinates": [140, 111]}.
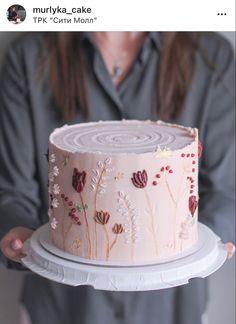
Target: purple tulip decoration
{"type": "Point", "coordinates": [78, 180]}
{"type": "Point", "coordinates": [140, 179]}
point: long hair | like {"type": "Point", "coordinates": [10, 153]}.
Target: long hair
{"type": "Point", "coordinates": [67, 72]}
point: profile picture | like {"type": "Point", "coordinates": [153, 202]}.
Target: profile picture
{"type": "Point", "coordinates": [16, 14]}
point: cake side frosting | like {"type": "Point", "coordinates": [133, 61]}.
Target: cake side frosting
{"type": "Point", "coordinates": [132, 198]}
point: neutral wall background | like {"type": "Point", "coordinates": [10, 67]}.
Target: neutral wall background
{"type": "Point", "coordinates": [221, 307]}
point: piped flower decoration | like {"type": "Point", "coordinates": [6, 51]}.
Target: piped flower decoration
{"type": "Point", "coordinates": [200, 148]}
{"type": "Point", "coordinates": [78, 180]}
{"type": "Point", "coordinates": [140, 179]}
{"type": "Point", "coordinates": [52, 158]}
{"type": "Point", "coordinates": [56, 189]}
{"type": "Point", "coordinates": [117, 229]}
{"type": "Point", "coordinates": [55, 203]}
{"type": "Point", "coordinates": [51, 177]}
{"type": "Point", "coordinates": [55, 171]}
{"type": "Point", "coordinates": [102, 217]}
{"type": "Point", "coordinates": [54, 223]}
{"type": "Point", "coordinates": [77, 243]}
{"type": "Point", "coordinates": [192, 204]}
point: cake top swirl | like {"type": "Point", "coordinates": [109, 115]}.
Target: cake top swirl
{"type": "Point", "coordinates": [127, 136]}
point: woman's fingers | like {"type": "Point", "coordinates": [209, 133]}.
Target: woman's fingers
{"type": "Point", "coordinates": [12, 243]}
{"type": "Point", "coordinates": [10, 253]}
{"type": "Point", "coordinates": [230, 247]}
{"type": "Point", "coordinates": [17, 245]}
{"type": "Point", "coordinates": [21, 233]}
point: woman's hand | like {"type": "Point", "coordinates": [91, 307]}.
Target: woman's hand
{"type": "Point", "coordinates": [12, 243]}
{"type": "Point", "coordinates": [230, 247]}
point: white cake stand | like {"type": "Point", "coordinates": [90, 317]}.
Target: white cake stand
{"type": "Point", "coordinates": [208, 256]}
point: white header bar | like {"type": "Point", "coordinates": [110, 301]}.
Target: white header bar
{"type": "Point", "coordinates": [120, 15]}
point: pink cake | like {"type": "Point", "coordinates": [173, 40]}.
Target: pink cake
{"type": "Point", "coordinates": [124, 192]}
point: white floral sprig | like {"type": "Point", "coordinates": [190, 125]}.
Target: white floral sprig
{"type": "Point", "coordinates": [52, 158]}
{"type": "Point", "coordinates": [130, 214]}
{"type": "Point", "coordinates": [50, 177]}
{"type": "Point", "coordinates": [50, 213]}
{"type": "Point", "coordinates": [55, 203]}
{"type": "Point", "coordinates": [55, 171]}
{"type": "Point", "coordinates": [56, 189]}
{"type": "Point", "coordinates": [185, 228]}
{"type": "Point", "coordinates": [100, 175]}
{"type": "Point", "coordinates": [163, 153]}
{"type": "Point", "coordinates": [54, 223]}
{"type": "Point", "coordinates": [53, 188]}
{"type": "Point", "coordinates": [149, 213]}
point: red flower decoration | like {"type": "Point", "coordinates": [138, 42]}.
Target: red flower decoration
{"type": "Point", "coordinates": [192, 204]}
{"type": "Point", "coordinates": [78, 180]}
{"type": "Point", "coordinates": [140, 179]}
{"type": "Point", "coordinates": [199, 149]}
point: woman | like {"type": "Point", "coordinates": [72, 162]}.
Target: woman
{"type": "Point", "coordinates": [12, 13]}
{"type": "Point", "coordinates": [52, 78]}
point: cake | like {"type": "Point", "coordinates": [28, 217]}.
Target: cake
{"type": "Point", "coordinates": [124, 192]}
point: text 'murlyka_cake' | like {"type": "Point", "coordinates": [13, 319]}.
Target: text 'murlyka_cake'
{"type": "Point", "coordinates": [124, 191]}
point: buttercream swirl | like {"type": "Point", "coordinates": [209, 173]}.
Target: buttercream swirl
{"type": "Point", "coordinates": [121, 137]}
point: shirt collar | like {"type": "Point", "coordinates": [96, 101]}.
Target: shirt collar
{"type": "Point", "coordinates": [151, 43]}
{"type": "Point", "coordinates": [155, 37]}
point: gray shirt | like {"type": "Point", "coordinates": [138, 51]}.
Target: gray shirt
{"type": "Point", "coordinates": [27, 116]}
